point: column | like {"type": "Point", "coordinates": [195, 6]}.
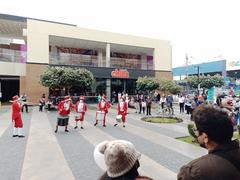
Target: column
{"type": "Point", "coordinates": [108, 55]}
{"type": "Point", "coordinates": [100, 57]}
{"type": "Point", "coordinates": [144, 61]}
{"type": "Point", "coordinates": [108, 89]}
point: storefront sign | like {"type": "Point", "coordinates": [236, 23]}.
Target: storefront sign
{"type": "Point", "coordinates": [120, 73]}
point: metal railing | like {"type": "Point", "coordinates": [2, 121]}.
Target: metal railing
{"type": "Point", "coordinates": [92, 61]}
{"type": "Point", "coordinates": [9, 55]}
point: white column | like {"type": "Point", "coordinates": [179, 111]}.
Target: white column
{"type": "Point", "coordinates": [108, 89]}
{"type": "Point", "coordinates": [108, 55]}
{"type": "Point", "coordinates": [100, 57]}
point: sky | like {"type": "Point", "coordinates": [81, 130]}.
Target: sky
{"type": "Point", "coordinates": [206, 30]}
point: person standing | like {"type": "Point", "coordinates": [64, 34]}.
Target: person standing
{"type": "Point", "coordinates": [181, 101]}
{"type": "Point", "coordinates": [122, 110]}
{"type": "Point", "coordinates": [136, 99]}
{"type": "Point", "coordinates": [213, 131]}
{"type": "Point", "coordinates": [42, 102]}
{"type": "Point", "coordinates": [24, 102]}
{"type": "Point", "coordinates": [103, 106]}
{"type": "Point", "coordinates": [140, 103]}
{"type": "Point", "coordinates": [64, 109]}
{"type": "Point", "coordinates": [17, 118]}
{"type": "Point", "coordinates": [169, 100]}
{"type": "Point", "coordinates": [143, 106]}
{"type": "Point", "coordinates": [81, 108]}
{"type": "Point", "coordinates": [163, 102]}
{"type": "Point", "coordinates": [149, 105]}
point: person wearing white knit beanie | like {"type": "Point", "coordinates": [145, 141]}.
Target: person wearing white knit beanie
{"type": "Point", "coordinates": [119, 159]}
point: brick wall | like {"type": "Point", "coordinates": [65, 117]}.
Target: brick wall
{"type": "Point", "coordinates": [30, 84]}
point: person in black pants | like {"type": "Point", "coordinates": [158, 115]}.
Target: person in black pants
{"type": "Point", "coordinates": [42, 102]}
{"type": "Point", "coordinates": [140, 103]}
{"type": "Point", "coordinates": [24, 100]}
{"type": "Point", "coordinates": [149, 105]}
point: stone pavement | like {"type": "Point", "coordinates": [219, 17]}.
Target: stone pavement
{"type": "Point", "coordinates": [44, 155]}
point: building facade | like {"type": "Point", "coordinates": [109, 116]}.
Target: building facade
{"type": "Point", "coordinates": [115, 60]}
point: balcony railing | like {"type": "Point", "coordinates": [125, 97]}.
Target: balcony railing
{"type": "Point", "coordinates": [92, 61]}
{"type": "Point", "coordinates": [9, 55]}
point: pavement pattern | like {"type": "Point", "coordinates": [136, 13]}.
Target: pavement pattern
{"type": "Point", "coordinates": [45, 155]}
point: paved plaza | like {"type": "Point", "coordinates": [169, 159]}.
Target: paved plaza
{"type": "Point", "coordinates": [45, 155]}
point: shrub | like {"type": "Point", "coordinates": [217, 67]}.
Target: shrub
{"type": "Point", "coordinates": [190, 130]}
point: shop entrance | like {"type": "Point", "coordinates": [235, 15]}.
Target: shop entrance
{"type": "Point", "coordinates": [117, 85]}
{"type": "Point", "coordinates": [124, 85]}
{"type": "Point", "coordinates": [9, 87]}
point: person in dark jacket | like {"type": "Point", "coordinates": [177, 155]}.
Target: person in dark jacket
{"type": "Point", "coordinates": [149, 105]}
{"type": "Point", "coordinates": [214, 131]}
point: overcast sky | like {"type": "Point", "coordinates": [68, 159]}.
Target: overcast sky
{"type": "Point", "coordinates": [204, 29]}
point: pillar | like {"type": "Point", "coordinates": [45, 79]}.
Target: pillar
{"type": "Point", "coordinates": [108, 55]}
{"type": "Point", "coordinates": [100, 58]}
{"type": "Point", "coordinates": [108, 89]}
{"type": "Point", "coordinates": [144, 61]}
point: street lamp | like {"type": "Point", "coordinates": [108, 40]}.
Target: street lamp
{"type": "Point", "coordinates": [198, 74]}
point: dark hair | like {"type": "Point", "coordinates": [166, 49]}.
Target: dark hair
{"type": "Point", "coordinates": [214, 122]}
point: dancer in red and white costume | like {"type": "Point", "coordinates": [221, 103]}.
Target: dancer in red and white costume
{"type": "Point", "coordinates": [64, 109]}
{"type": "Point", "coordinates": [17, 118]}
{"type": "Point", "coordinates": [122, 110]}
{"type": "Point", "coordinates": [80, 108]}
{"type": "Point", "coordinates": [103, 106]}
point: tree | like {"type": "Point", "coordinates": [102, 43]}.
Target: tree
{"type": "Point", "coordinates": [147, 84]}
{"type": "Point", "coordinates": [170, 86]}
{"type": "Point", "coordinates": [66, 78]}
{"type": "Point", "coordinates": [206, 81]}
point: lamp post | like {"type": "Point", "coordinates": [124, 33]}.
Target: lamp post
{"type": "Point", "coordinates": [198, 71]}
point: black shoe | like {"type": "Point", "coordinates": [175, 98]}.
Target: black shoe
{"type": "Point", "coordinates": [124, 126]}
{"type": "Point", "coordinates": [104, 125]}
{"type": "Point", "coordinates": [15, 136]}
{"type": "Point", "coordinates": [56, 131]}
{"type": "Point", "coordinates": [66, 130]}
{"type": "Point", "coordinates": [21, 136]}
{"type": "Point", "coordinates": [82, 127]}
{"type": "Point", "coordinates": [75, 127]}
{"type": "Point", "coordinates": [95, 124]}
{"type": "Point", "coordinates": [115, 125]}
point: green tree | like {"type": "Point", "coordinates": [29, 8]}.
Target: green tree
{"type": "Point", "coordinates": [206, 81]}
{"type": "Point", "coordinates": [66, 78]}
{"type": "Point", "coordinates": [170, 86]}
{"type": "Point", "coordinates": [147, 84]}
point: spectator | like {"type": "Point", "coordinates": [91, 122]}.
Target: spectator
{"type": "Point", "coordinates": [136, 99]}
{"type": "Point", "coordinates": [144, 104]}
{"type": "Point", "coordinates": [158, 97]}
{"type": "Point", "coordinates": [140, 103]}
{"type": "Point", "coordinates": [169, 100]}
{"type": "Point", "coordinates": [149, 105]}
{"type": "Point", "coordinates": [119, 159]}
{"type": "Point", "coordinates": [23, 98]}
{"type": "Point", "coordinates": [162, 102]}
{"type": "Point", "coordinates": [181, 101]}
{"type": "Point", "coordinates": [213, 131]}
{"type": "Point", "coordinates": [42, 102]}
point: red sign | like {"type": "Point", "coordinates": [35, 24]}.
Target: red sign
{"type": "Point", "coordinates": [120, 73]}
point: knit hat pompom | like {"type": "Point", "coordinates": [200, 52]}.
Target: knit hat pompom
{"type": "Point", "coordinates": [103, 146]}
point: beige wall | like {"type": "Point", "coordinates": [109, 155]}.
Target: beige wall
{"type": "Point", "coordinates": [12, 69]}
{"type": "Point", "coordinates": [38, 33]}
{"type": "Point", "coordinates": [164, 75]}
{"type": "Point", "coordinates": [30, 83]}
